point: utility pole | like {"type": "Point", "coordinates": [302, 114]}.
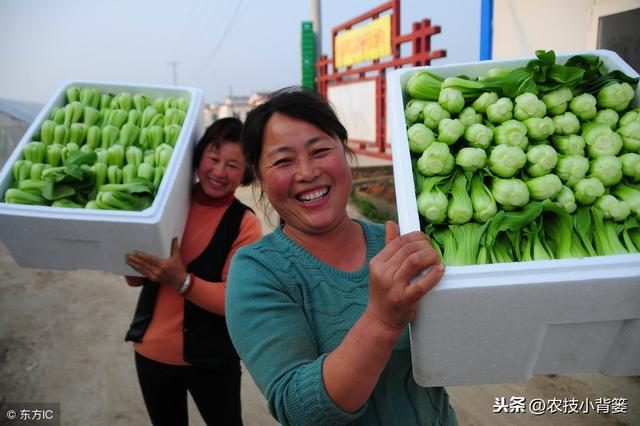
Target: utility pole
{"type": "Point", "coordinates": [316, 18]}
{"type": "Point", "coordinates": [174, 65]}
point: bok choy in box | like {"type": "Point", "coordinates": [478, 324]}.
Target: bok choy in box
{"type": "Point", "coordinates": [105, 169]}
{"type": "Point", "coordinates": [526, 175]}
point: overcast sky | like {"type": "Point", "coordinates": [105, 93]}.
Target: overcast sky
{"type": "Point", "coordinates": [220, 46]}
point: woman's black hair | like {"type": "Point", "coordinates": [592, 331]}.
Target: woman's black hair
{"type": "Point", "coordinates": [295, 102]}
{"type": "Point", "coordinates": [223, 130]}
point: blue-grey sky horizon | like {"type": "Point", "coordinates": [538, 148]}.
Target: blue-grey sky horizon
{"type": "Point", "coordinates": [223, 47]}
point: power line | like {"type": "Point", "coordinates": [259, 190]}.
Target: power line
{"type": "Point", "coordinates": [196, 6]}
{"type": "Point", "coordinates": [234, 18]}
{"type": "Point", "coordinates": [224, 34]}
{"type": "Point", "coordinates": [208, 19]}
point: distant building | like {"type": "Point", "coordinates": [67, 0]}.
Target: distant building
{"type": "Point", "coordinates": [257, 98]}
{"type": "Point", "coordinates": [233, 106]}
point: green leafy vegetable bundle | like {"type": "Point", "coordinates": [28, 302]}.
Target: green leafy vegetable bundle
{"type": "Point", "coordinates": [99, 151]}
{"type": "Point", "coordinates": [534, 163]}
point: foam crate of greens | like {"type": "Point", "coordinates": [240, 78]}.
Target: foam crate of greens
{"type": "Point", "coordinates": [506, 322]}
{"type": "Point", "coordinates": [63, 238]}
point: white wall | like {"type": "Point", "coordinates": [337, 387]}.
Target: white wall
{"type": "Point", "coordinates": [520, 27]}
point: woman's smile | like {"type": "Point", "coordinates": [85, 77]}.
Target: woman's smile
{"type": "Point", "coordinates": [313, 197]}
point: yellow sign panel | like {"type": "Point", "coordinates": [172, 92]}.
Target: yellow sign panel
{"type": "Point", "coordinates": [370, 41]}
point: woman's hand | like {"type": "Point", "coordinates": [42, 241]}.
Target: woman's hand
{"type": "Point", "coordinates": [169, 271]}
{"type": "Point", "coordinates": [397, 279]}
{"type": "Point", "coordinates": [352, 370]}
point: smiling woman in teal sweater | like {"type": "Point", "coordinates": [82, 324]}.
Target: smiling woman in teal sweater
{"type": "Point", "coordinates": [318, 309]}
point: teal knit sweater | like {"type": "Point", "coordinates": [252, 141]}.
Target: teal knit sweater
{"type": "Point", "coordinates": [286, 310]}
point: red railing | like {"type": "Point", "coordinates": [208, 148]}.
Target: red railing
{"type": "Point", "coordinates": [421, 54]}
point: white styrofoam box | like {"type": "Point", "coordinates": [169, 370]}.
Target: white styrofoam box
{"type": "Point", "coordinates": [506, 322]}
{"type": "Point", "coordinates": [69, 239]}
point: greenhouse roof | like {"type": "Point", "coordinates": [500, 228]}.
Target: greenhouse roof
{"type": "Point", "coordinates": [20, 110]}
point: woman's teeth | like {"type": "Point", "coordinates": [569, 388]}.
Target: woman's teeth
{"type": "Point", "coordinates": [215, 183]}
{"type": "Point", "coordinates": [315, 195]}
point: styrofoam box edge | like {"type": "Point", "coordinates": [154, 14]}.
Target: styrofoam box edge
{"type": "Point", "coordinates": [169, 196]}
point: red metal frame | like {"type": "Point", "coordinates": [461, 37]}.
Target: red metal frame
{"type": "Point", "coordinates": [420, 39]}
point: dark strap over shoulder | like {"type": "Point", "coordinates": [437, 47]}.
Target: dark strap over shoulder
{"type": "Point", "coordinates": [206, 339]}
{"type": "Point", "coordinates": [210, 263]}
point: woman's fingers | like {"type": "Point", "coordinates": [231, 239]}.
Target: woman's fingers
{"type": "Point", "coordinates": [422, 284]}
{"type": "Point", "coordinates": [412, 251]}
{"type": "Point", "coordinates": [402, 259]}
{"type": "Point", "coordinates": [397, 243]}
{"type": "Point", "coordinates": [405, 251]}
{"type": "Point", "coordinates": [146, 257]}
{"type": "Point", "coordinates": [131, 260]}
{"type": "Point", "coordinates": [140, 264]}
{"type": "Point", "coordinates": [169, 271]}
{"type": "Point", "coordinates": [138, 268]}
{"type": "Point", "coordinates": [415, 269]}
{"type": "Point", "coordinates": [414, 263]}
{"type": "Point", "coordinates": [391, 232]}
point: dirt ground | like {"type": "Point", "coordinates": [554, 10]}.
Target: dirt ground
{"type": "Point", "coordinates": [62, 340]}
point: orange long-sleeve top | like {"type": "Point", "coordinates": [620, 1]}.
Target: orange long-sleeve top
{"type": "Point", "coordinates": [163, 339]}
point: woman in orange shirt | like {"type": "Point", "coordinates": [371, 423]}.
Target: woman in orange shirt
{"type": "Point", "coordinates": [179, 332]}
